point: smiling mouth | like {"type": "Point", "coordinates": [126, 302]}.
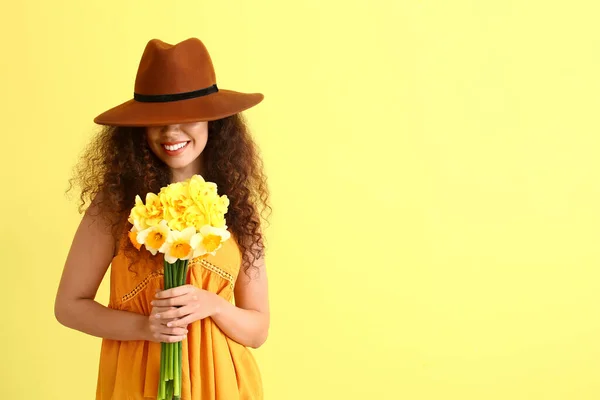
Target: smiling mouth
{"type": "Point", "coordinates": [174, 147]}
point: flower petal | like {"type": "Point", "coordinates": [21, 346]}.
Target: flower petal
{"type": "Point", "coordinates": [195, 240]}
{"type": "Point", "coordinates": [164, 249]}
{"type": "Point", "coordinates": [170, 259]}
{"type": "Point", "coordinates": [188, 233]}
{"type": "Point", "coordinates": [142, 235]}
{"type": "Point", "coordinates": [205, 230]}
{"type": "Point", "coordinates": [200, 251]}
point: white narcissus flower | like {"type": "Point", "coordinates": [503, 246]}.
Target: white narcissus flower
{"type": "Point", "coordinates": [209, 240]}
{"type": "Point", "coordinates": [178, 246]}
{"type": "Point", "coordinates": [154, 237]}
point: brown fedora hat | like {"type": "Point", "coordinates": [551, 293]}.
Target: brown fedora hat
{"type": "Point", "coordinates": [176, 84]}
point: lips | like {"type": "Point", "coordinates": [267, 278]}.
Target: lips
{"type": "Point", "coordinates": [174, 148]}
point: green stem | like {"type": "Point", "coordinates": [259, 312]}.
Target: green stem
{"type": "Point", "coordinates": [170, 390]}
{"type": "Point", "coordinates": [173, 269]}
{"type": "Point", "coordinates": [171, 364]}
{"type": "Point", "coordinates": [170, 361]}
{"type": "Point", "coordinates": [180, 281]}
{"type": "Point", "coordinates": [174, 274]}
{"type": "Point", "coordinates": [161, 380]}
{"type": "Point", "coordinates": [183, 271]}
{"type": "Point", "coordinates": [162, 386]}
{"type": "Point", "coordinates": [180, 361]}
{"type": "Point", "coordinates": [177, 372]}
{"type": "Point", "coordinates": [178, 273]}
{"type": "Point", "coordinates": [181, 365]}
{"type": "Point", "coordinates": [168, 274]}
{"type": "Point", "coordinates": [184, 279]}
{"type": "Point", "coordinates": [166, 377]}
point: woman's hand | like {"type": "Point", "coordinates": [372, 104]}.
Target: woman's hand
{"type": "Point", "coordinates": [158, 329]}
{"type": "Point", "coordinates": [183, 305]}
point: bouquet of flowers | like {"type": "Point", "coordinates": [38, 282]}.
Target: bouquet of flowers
{"type": "Point", "coordinates": [184, 220]}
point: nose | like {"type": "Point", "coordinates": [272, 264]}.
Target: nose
{"type": "Point", "coordinates": [170, 128]}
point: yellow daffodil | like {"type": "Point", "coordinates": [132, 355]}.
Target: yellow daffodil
{"type": "Point", "coordinates": [137, 216]}
{"type": "Point", "coordinates": [199, 187]}
{"type": "Point", "coordinates": [177, 246]}
{"type": "Point", "coordinates": [143, 216]}
{"type": "Point", "coordinates": [202, 193]}
{"type": "Point", "coordinates": [154, 237]}
{"type": "Point", "coordinates": [176, 199]}
{"type": "Point", "coordinates": [217, 211]}
{"type": "Point", "coordinates": [209, 240]}
{"type": "Point", "coordinates": [155, 209]}
{"type": "Point", "coordinates": [177, 224]}
{"type": "Point", "coordinates": [196, 217]}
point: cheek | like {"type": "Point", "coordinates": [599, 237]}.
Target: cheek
{"type": "Point", "coordinates": [152, 133]}
{"type": "Point", "coordinates": [151, 136]}
{"type": "Point", "coordinates": [152, 143]}
{"type": "Point", "coordinates": [200, 139]}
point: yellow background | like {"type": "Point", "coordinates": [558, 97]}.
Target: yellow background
{"type": "Point", "coordinates": [435, 176]}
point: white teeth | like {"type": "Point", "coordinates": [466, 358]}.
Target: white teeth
{"type": "Point", "coordinates": [175, 146]}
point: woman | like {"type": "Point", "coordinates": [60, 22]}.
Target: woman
{"type": "Point", "coordinates": [178, 124]}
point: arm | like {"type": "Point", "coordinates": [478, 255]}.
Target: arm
{"type": "Point", "coordinates": [248, 321]}
{"type": "Point", "coordinates": [89, 257]}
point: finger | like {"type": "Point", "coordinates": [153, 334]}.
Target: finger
{"type": "Point", "coordinates": [175, 292]}
{"type": "Point", "coordinates": [160, 329]}
{"type": "Point", "coordinates": [181, 322]}
{"type": "Point", "coordinates": [157, 310]}
{"type": "Point", "coordinates": [156, 317]}
{"type": "Point", "coordinates": [177, 312]}
{"type": "Point", "coordinates": [168, 338]}
{"type": "Point", "coordinates": [160, 322]}
{"type": "Point", "coordinates": [173, 301]}
{"type": "Point", "coordinates": [173, 331]}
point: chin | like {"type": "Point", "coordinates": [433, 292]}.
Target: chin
{"type": "Point", "coordinates": [178, 165]}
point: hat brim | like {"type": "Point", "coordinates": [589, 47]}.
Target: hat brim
{"type": "Point", "coordinates": [215, 106]}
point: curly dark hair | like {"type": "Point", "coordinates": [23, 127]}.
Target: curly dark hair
{"type": "Point", "coordinates": [118, 165]}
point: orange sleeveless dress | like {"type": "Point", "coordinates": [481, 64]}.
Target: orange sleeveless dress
{"type": "Point", "coordinates": [214, 366]}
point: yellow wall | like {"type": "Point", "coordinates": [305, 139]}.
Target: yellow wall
{"type": "Point", "coordinates": [435, 176]}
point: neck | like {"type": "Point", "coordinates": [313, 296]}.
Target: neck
{"type": "Point", "coordinates": [181, 174]}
